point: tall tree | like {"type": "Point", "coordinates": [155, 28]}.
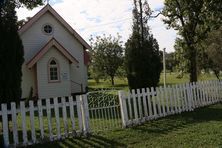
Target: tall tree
{"type": "Point", "coordinates": [211, 57]}
{"type": "Point", "coordinates": [11, 54]}
{"type": "Point", "coordinates": [107, 56]}
{"type": "Point", "coordinates": [193, 20]}
{"type": "Point", "coordinates": [11, 50]}
{"type": "Point", "coordinates": [143, 64]}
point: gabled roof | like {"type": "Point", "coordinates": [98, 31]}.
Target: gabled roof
{"type": "Point", "coordinates": [52, 43]}
{"type": "Point", "coordinates": [49, 9]}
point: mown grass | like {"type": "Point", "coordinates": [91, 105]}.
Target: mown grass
{"type": "Point", "coordinates": [122, 84]}
{"type": "Point", "coordinates": [201, 128]}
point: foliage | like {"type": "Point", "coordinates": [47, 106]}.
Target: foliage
{"type": "Point", "coordinates": [107, 57]}
{"type": "Point", "coordinates": [11, 54]}
{"type": "Point", "coordinates": [181, 57]}
{"type": "Point", "coordinates": [193, 20]}
{"type": "Point", "coordinates": [212, 54]}
{"type": "Point", "coordinates": [30, 4]}
{"type": "Point", "coordinates": [11, 49]}
{"type": "Point", "coordinates": [22, 22]}
{"type": "Point", "coordinates": [170, 61]}
{"type": "Point", "coordinates": [143, 65]}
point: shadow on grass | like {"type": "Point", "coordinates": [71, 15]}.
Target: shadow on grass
{"type": "Point", "coordinates": [176, 122]}
{"type": "Point", "coordinates": [92, 141]}
{"type": "Point", "coordinates": [147, 131]}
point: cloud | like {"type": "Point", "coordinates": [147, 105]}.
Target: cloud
{"type": "Point", "coordinates": [97, 17]}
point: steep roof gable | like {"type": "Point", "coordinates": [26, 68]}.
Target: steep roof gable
{"type": "Point", "coordinates": [52, 43]}
{"type": "Point", "coordinates": [49, 9]}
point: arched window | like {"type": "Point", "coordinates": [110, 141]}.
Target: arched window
{"type": "Point", "coordinates": [53, 70]}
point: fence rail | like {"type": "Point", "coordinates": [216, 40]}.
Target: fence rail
{"type": "Point", "coordinates": [56, 118]}
{"type": "Point", "coordinates": [141, 105]}
{"type": "Point", "coordinates": [50, 119]}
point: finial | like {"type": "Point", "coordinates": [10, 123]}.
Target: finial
{"type": "Point", "coordinates": [47, 1]}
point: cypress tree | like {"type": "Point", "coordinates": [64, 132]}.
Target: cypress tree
{"type": "Point", "coordinates": [11, 54]}
{"type": "Point", "coordinates": [143, 59]}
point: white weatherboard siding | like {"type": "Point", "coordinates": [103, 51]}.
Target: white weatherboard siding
{"type": "Point", "coordinates": [34, 40]}
{"type": "Point", "coordinates": [48, 89]}
{"type": "Point", "coordinates": [28, 81]}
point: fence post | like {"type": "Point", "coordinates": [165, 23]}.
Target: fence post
{"type": "Point", "coordinates": [189, 96]}
{"type": "Point", "coordinates": [56, 109]}
{"type": "Point", "coordinates": [85, 114]}
{"type": "Point", "coordinates": [5, 124]}
{"type": "Point", "coordinates": [80, 118]}
{"type": "Point", "coordinates": [23, 115]}
{"type": "Point", "coordinates": [14, 123]}
{"type": "Point", "coordinates": [123, 108]}
{"type": "Point", "coordinates": [40, 113]}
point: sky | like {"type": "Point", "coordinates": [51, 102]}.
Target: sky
{"type": "Point", "coordinates": [98, 17]}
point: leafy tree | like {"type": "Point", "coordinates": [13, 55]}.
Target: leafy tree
{"type": "Point", "coordinates": [107, 57]}
{"type": "Point", "coordinates": [211, 57]}
{"type": "Point", "coordinates": [143, 64]}
{"type": "Point", "coordinates": [30, 4]}
{"type": "Point", "coordinates": [193, 20]}
{"type": "Point", "coordinates": [170, 61]}
{"type": "Point", "coordinates": [22, 22]}
{"type": "Point", "coordinates": [11, 50]}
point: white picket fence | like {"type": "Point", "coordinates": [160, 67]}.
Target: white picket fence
{"type": "Point", "coordinates": [58, 118]}
{"type": "Point", "coordinates": [139, 106]}
{"type": "Point", "coordinates": [49, 119]}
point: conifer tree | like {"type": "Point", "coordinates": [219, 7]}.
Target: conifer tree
{"type": "Point", "coordinates": [11, 54]}
{"type": "Point", "coordinates": [143, 60]}
{"type": "Point", "coordinates": [11, 49]}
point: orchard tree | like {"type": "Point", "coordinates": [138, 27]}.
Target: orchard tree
{"type": "Point", "coordinates": [11, 50]}
{"type": "Point", "coordinates": [193, 20]}
{"type": "Point", "coordinates": [143, 59]}
{"type": "Point", "coordinates": [107, 56]}
{"type": "Point", "coordinates": [170, 61]}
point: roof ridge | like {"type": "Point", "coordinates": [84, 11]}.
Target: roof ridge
{"type": "Point", "coordinates": [52, 42]}
{"type": "Point", "coordinates": [48, 8]}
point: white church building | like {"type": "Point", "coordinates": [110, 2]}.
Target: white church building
{"type": "Point", "coordinates": [55, 57]}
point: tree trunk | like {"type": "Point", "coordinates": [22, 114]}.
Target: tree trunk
{"type": "Point", "coordinates": [141, 20]}
{"type": "Point", "coordinates": [112, 80]}
{"type": "Point", "coordinates": [217, 74]}
{"type": "Point", "coordinates": [193, 64]}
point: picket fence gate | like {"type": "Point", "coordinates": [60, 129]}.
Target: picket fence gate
{"type": "Point", "coordinates": [142, 105]}
{"type": "Point", "coordinates": [65, 110]}
{"type": "Point", "coordinates": [104, 110]}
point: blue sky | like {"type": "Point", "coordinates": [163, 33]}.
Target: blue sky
{"type": "Point", "coordinates": [97, 17]}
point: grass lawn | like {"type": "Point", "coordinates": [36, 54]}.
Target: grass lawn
{"type": "Point", "coordinates": [201, 128]}
{"type": "Point", "coordinates": [121, 83]}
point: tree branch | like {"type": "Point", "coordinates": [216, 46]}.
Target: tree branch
{"type": "Point", "coordinates": [155, 16]}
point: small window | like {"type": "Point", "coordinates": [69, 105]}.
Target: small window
{"type": "Point", "coordinates": [47, 29]}
{"type": "Point", "coordinates": [53, 71]}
